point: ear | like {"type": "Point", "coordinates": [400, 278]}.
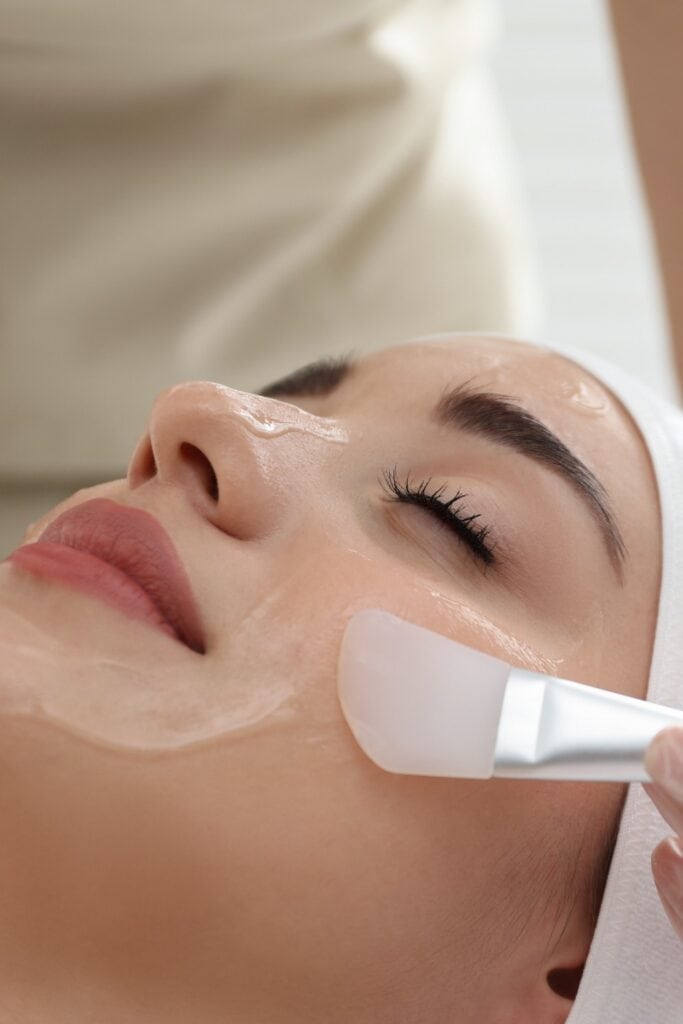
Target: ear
{"type": "Point", "coordinates": [544, 991]}
{"type": "Point", "coordinates": [558, 993]}
{"type": "Point", "coordinates": [548, 999]}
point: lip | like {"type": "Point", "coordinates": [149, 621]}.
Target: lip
{"type": "Point", "coordinates": [144, 576]}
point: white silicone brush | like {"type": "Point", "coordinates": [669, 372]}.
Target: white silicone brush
{"type": "Point", "coordinates": [419, 703]}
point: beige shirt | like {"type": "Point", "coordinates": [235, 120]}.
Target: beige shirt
{"type": "Point", "coordinates": [226, 190]}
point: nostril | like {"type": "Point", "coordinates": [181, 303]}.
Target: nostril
{"type": "Point", "coordinates": [199, 462]}
{"type": "Point", "coordinates": [143, 464]}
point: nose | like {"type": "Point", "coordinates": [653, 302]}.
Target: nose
{"type": "Point", "coordinates": [237, 456]}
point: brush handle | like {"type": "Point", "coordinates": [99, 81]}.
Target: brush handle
{"type": "Point", "coordinates": [555, 729]}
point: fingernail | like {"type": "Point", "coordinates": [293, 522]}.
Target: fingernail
{"type": "Point", "coordinates": [664, 761]}
{"type": "Point", "coordinates": [675, 844]}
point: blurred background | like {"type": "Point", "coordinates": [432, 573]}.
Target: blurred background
{"type": "Point", "coordinates": [177, 205]}
{"type": "Point", "coordinates": [557, 74]}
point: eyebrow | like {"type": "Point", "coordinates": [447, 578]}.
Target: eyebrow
{"type": "Point", "coordinates": [495, 417]}
{"type": "Point", "coordinates": [318, 378]}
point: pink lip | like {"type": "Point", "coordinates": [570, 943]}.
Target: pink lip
{"type": "Point", "coordinates": [123, 556]}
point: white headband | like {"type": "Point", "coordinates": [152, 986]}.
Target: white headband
{"type": "Point", "coordinates": [634, 970]}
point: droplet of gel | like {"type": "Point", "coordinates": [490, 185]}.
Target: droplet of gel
{"type": "Point", "coordinates": [285, 418]}
{"type": "Point", "coordinates": [585, 398]}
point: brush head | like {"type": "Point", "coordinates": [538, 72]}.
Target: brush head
{"type": "Point", "coordinates": [417, 702]}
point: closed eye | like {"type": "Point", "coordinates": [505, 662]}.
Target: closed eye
{"type": "Point", "coordinates": [475, 537]}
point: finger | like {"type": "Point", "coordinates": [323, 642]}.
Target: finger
{"type": "Point", "coordinates": [664, 763]}
{"type": "Point", "coordinates": [667, 869]}
{"type": "Point", "coordinates": [671, 810]}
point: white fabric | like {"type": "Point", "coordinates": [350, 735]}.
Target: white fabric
{"type": "Point", "coordinates": [224, 189]}
{"type": "Point", "coordinates": [634, 972]}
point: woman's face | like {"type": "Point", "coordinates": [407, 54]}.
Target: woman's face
{"type": "Point", "coordinates": [199, 833]}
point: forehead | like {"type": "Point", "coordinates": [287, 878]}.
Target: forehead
{"type": "Point", "coordinates": [492, 362]}
{"type": "Point", "coordinates": [568, 399]}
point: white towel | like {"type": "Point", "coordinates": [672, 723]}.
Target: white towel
{"type": "Point", "coordinates": [634, 971]}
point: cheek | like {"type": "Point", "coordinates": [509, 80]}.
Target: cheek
{"type": "Point", "coordinates": [290, 640]}
{"type": "Point", "coordinates": [262, 849]}
{"type": "Point", "coordinates": [278, 839]}
{"type": "Point", "coordinates": [379, 870]}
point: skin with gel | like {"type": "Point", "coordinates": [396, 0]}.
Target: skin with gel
{"type": "Point", "coordinates": [199, 837]}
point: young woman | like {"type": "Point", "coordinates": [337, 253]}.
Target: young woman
{"type": "Point", "coordinates": [189, 831]}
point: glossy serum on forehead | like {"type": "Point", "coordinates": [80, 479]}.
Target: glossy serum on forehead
{"type": "Point", "coordinates": [419, 703]}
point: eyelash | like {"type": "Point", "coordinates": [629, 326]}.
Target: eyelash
{"type": "Point", "coordinates": [444, 511]}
